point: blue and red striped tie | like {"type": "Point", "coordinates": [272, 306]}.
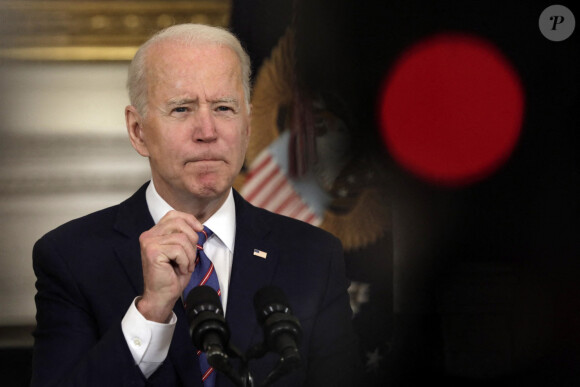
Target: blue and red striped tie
{"type": "Point", "coordinates": [204, 274]}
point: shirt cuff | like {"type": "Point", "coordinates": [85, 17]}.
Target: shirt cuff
{"type": "Point", "coordinates": [148, 341]}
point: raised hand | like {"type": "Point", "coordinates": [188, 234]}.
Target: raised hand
{"type": "Point", "coordinates": [168, 256]}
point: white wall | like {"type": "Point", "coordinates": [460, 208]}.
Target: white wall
{"type": "Point", "coordinates": [63, 153]}
{"type": "Point", "coordinates": [65, 98]}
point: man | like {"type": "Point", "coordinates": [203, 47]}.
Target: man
{"type": "Point", "coordinates": [110, 285]}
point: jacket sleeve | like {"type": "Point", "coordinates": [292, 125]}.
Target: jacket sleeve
{"type": "Point", "coordinates": [334, 356]}
{"type": "Point", "coordinates": [70, 349]}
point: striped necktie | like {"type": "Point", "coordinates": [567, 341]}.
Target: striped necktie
{"type": "Point", "coordinates": [204, 274]}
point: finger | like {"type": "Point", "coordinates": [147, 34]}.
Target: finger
{"type": "Point", "coordinates": [168, 248]}
{"type": "Point", "coordinates": [186, 261]}
{"type": "Point", "coordinates": [175, 256]}
{"type": "Point", "coordinates": [181, 265]}
{"type": "Point", "coordinates": [187, 218]}
{"type": "Point", "coordinates": [177, 224]}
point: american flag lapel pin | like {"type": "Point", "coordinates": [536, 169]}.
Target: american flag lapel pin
{"type": "Point", "coordinates": [260, 253]}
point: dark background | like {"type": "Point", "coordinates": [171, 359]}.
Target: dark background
{"type": "Point", "coordinates": [476, 285]}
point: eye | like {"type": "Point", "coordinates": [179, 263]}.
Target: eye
{"type": "Point", "coordinates": [180, 109]}
{"type": "Point", "coordinates": [224, 108]}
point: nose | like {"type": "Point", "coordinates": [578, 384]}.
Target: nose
{"type": "Point", "coordinates": [204, 129]}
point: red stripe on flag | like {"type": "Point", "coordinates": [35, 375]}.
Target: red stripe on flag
{"type": "Point", "coordinates": [311, 216]}
{"type": "Point", "coordinates": [296, 211]}
{"type": "Point", "coordinates": [252, 195]}
{"type": "Point", "coordinates": [290, 199]}
{"type": "Point", "coordinates": [273, 192]}
{"type": "Point", "coordinates": [258, 168]}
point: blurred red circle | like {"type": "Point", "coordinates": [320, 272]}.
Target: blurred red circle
{"type": "Point", "coordinates": [451, 109]}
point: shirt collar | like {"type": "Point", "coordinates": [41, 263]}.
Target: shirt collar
{"type": "Point", "coordinates": [222, 223]}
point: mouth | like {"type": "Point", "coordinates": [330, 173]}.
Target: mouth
{"type": "Point", "coordinates": [205, 160]}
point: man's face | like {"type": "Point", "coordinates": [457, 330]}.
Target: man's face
{"type": "Point", "coordinates": [197, 126]}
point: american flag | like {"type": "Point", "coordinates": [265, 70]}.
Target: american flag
{"type": "Point", "coordinates": [268, 187]}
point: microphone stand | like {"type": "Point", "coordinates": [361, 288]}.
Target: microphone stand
{"type": "Point", "coordinates": [243, 378]}
{"type": "Point", "coordinates": [220, 361]}
{"type": "Point", "coordinates": [284, 366]}
{"type": "Point", "coordinates": [287, 363]}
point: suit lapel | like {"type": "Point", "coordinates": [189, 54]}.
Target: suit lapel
{"type": "Point", "coordinates": [133, 219]}
{"type": "Point", "coordinates": [249, 272]}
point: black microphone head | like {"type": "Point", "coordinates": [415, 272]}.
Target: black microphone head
{"type": "Point", "coordinates": [282, 330]}
{"type": "Point", "coordinates": [205, 316]}
{"type": "Point", "coordinates": [202, 298]}
{"type": "Point", "coordinates": [268, 300]}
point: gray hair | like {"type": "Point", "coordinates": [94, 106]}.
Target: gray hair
{"type": "Point", "coordinates": [188, 34]}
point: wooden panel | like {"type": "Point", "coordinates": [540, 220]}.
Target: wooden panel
{"type": "Point", "coordinates": [94, 30]}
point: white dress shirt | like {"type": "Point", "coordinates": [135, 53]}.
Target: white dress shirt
{"type": "Point", "coordinates": [149, 341]}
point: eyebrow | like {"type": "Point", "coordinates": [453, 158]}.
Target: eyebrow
{"type": "Point", "coordinates": [187, 101]}
{"type": "Point", "coordinates": [180, 101]}
{"type": "Point", "coordinates": [227, 100]}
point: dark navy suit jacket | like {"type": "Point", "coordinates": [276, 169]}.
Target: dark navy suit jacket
{"type": "Point", "coordinates": [89, 271]}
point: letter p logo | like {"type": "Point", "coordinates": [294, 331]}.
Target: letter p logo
{"type": "Point", "coordinates": [557, 20]}
{"type": "Point", "coordinates": [557, 23]}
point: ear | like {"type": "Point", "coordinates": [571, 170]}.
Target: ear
{"type": "Point", "coordinates": [249, 128]}
{"type": "Point", "coordinates": [134, 123]}
{"type": "Point", "coordinates": [248, 131]}
{"type": "Point", "coordinates": [250, 122]}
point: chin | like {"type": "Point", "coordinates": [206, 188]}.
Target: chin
{"type": "Point", "coordinates": [209, 185]}
{"type": "Point", "coordinates": [208, 190]}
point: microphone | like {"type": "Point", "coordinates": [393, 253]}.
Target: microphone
{"type": "Point", "coordinates": [282, 330]}
{"type": "Point", "coordinates": [207, 325]}
{"type": "Point", "coordinates": [210, 334]}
